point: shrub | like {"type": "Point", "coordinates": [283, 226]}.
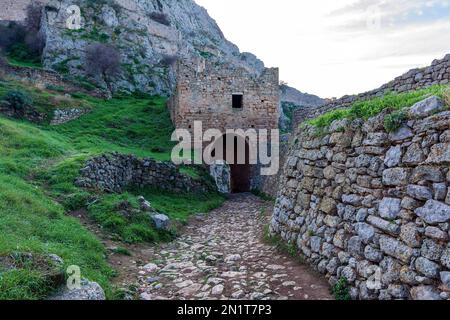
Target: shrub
{"type": "Point", "coordinates": [103, 60]}
{"type": "Point", "coordinates": [17, 101]}
{"type": "Point", "coordinates": [341, 290]}
{"type": "Point", "coordinates": [393, 121]}
{"type": "Point", "coordinates": [160, 17]}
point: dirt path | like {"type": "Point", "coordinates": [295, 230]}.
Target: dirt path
{"type": "Point", "coordinates": [223, 256]}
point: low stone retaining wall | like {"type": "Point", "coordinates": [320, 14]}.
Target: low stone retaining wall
{"type": "Point", "coordinates": [269, 185]}
{"type": "Point", "coordinates": [437, 73]}
{"type": "Point", "coordinates": [62, 116]}
{"type": "Point", "coordinates": [372, 207]}
{"type": "Point", "coordinates": [115, 172]}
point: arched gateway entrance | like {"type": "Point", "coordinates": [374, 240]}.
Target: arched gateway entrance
{"type": "Point", "coordinates": [240, 167]}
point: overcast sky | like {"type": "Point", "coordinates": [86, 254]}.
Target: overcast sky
{"type": "Point", "coordinates": [336, 47]}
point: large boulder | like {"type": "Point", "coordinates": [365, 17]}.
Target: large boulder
{"type": "Point", "coordinates": [87, 291]}
{"type": "Point", "coordinates": [161, 221]}
{"type": "Point", "coordinates": [221, 173]}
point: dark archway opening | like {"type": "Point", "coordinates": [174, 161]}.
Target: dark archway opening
{"type": "Point", "coordinates": [240, 173]}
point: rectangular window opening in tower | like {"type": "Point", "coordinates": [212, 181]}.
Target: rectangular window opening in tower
{"type": "Point", "coordinates": [238, 101]}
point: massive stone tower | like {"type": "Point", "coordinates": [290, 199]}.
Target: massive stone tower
{"type": "Point", "coordinates": [226, 97]}
{"type": "Point", "coordinates": [15, 10]}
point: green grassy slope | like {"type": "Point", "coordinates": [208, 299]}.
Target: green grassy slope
{"type": "Point", "coordinates": [38, 165]}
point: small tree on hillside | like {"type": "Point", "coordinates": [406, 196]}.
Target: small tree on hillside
{"type": "Point", "coordinates": [103, 60]}
{"type": "Point", "coordinates": [17, 102]}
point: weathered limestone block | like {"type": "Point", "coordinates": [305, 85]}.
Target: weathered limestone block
{"type": "Point", "coordinates": [395, 249]}
{"type": "Point", "coordinates": [419, 192]}
{"type": "Point", "coordinates": [384, 225]}
{"type": "Point", "coordinates": [365, 231]}
{"type": "Point", "coordinates": [393, 156]}
{"type": "Point", "coordinates": [414, 155]}
{"type": "Point", "coordinates": [427, 173]}
{"type": "Point", "coordinates": [376, 139]}
{"type": "Point", "coordinates": [440, 154]}
{"type": "Point", "coordinates": [425, 293]}
{"type": "Point", "coordinates": [434, 212]}
{"type": "Point", "coordinates": [328, 205]}
{"type": "Point", "coordinates": [431, 250]}
{"type": "Point", "coordinates": [389, 208]}
{"type": "Point", "coordinates": [440, 191]}
{"type": "Point", "coordinates": [396, 176]}
{"type": "Point", "coordinates": [401, 134]}
{"type": "Point", "coordinates": [426, 107]}
{"type": "Point", "coordinates": [436, 233]}
{"type": "Point", "coordinates": [410, 235]}
{"type": "Point", "coordinates": [427, 267]}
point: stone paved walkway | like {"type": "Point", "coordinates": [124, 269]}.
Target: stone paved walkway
{"type": "Point", "coordinates": [223, 256]}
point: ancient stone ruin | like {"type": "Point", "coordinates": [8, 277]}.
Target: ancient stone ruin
{"type": "Point", "coordinates": [223, 96]}
{"type": "Point", "coordinates": [115, 172]}
{"type": "Point", "coordinates": [373, 207]}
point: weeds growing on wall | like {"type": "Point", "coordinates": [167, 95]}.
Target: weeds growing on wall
{"type": "Point", "coordinates": [370, 108]}
{"type": "Point", "coordinates": [341, 290]}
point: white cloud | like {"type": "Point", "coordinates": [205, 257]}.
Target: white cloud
{"type": "Point", "coordinates": [328, 47]}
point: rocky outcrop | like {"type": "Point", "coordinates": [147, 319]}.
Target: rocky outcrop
{"type": "Point", "coordinates": [294, 96]}
{"type": "Point", "coordinates": [371, 206]}
{"type": "Point", "coordinates": [437, 73]}
{"type": "Point", "coordinates": [114, 172]}
{"type": "Point", "coordinates": [61, 116]}
{"type": "Point", "coordinates": [150, 35]}
{"type": "Point", "coordinates": [88, 291]}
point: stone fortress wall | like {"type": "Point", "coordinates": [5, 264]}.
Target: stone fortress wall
{"type": "Point", "coordinates": [204, 93]}
{"type": "Point", "coordinates": [437, 73]}
{"type": "Point", "coordinates": [373, 207]}
{"type": "Point", "coordinates": [115, 172]}
{"type": "Point", "coordinates": [15, 10]}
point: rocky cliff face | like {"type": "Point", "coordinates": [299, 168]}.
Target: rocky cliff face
{"type": "Point", "coordinates": [293, 96]}
{"type": "Point", "coordinates": [150, 35]}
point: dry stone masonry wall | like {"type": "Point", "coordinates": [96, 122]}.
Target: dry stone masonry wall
{"type": "Point", "coordinates": [371, 206]}
{"type": "Point", "coordinates": [115, 172]}
{"type": "Point", "coordinates": [437, 73]}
